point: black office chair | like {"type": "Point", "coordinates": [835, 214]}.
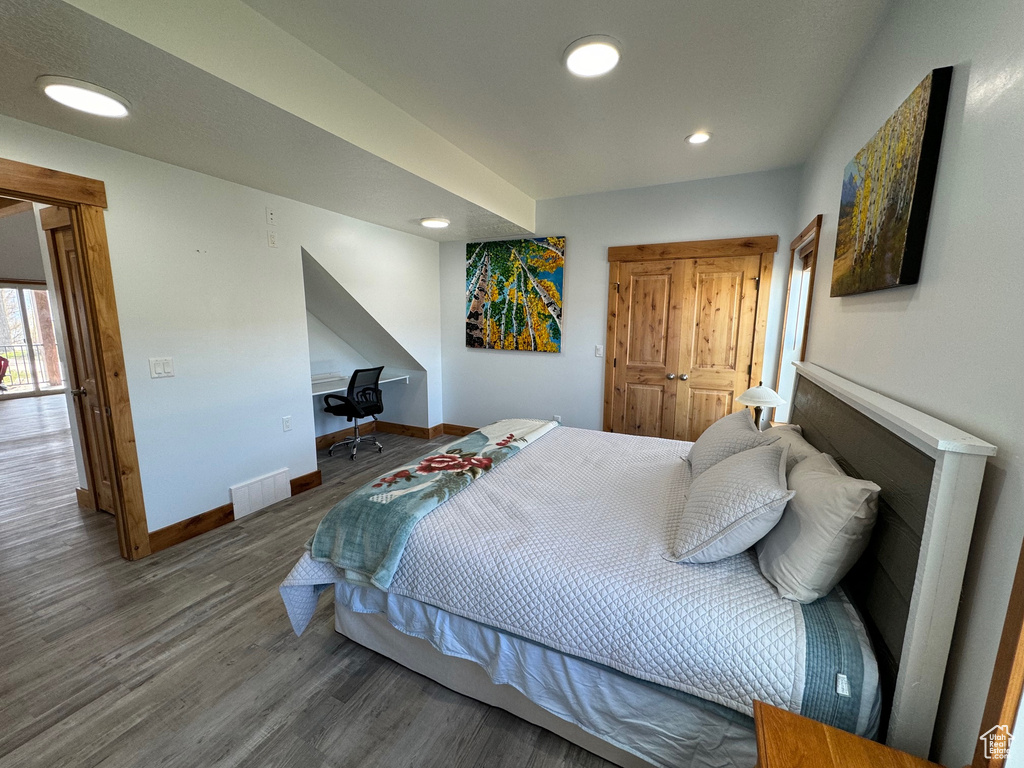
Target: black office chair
{"type": "Point", "coordinates": [362, 399]}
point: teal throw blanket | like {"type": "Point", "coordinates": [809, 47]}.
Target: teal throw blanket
{"type": "Point", "coordinates": [366, 532]}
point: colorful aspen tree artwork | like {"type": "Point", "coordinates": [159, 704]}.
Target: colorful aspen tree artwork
{"type": "Point", "coordinates": [887, 189]}
{"type": "Point", "coordinates": [514, 294]}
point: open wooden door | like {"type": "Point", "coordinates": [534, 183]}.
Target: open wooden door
{"type": "Point", "coordinates": [686, 333]}
{"type": "Point", "coordinates": [84, 200]}
{"type": "Point", "coordinates": [90, 402]}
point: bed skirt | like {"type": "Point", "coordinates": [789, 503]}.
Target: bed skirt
{"type": "Point", "coordinates": [734, 744]}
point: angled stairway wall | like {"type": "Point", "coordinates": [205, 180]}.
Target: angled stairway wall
{"type": "Point", "coordinates": [343, 334]}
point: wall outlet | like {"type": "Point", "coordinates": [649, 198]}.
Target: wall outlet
{"type": "Point", "coordinates": [161, 367]}
{"type": "Point", "coordinates": [271, 216]}
{"type": "Point", "coordinates": [599, 350]}
{"type": "Point", "coordinates": [286, 423]}
{"type": "Point", "coordinates": [271, 238]}
{"type": "Point", "coordinates": [557, 418]}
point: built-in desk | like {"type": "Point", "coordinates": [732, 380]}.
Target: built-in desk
{"type": "Point", "coordinates": [324, 384]}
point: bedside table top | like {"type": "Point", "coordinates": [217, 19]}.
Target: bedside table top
{"type": "Point", "coordinates": [786, 740]}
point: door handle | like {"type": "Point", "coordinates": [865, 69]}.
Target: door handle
{"type": "Point", "coordinates": [79, 392]}
{"type": "Point", "coordinates": [670, 376]}
{"type": "Point", "coordinates": [684, 376]}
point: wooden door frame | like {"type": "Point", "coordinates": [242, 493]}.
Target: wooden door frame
{"type": "Point", "coordinates": [811, 235]}
{"type": "Point", "coordinates": [1007, 685]}
{"type": "Point", "coordinates": [764, 246]}
{"type": "Point", "coordinates": [85, 199]}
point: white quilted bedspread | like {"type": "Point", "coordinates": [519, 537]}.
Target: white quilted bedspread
{"type": "Point", "coordinates": [566, 546]}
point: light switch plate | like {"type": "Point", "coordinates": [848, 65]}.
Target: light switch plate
{"type": "Point", "coordinates": [271, 238]}
{"type": "Point", "coordinates": [271, 216]}
{"type": "Point", "coordinates": [161, 367]}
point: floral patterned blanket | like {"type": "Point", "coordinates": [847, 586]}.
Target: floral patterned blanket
{"type": "Point", "coordinates": [366, 532]}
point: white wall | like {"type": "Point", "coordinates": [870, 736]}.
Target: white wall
{"type": "Point", "coordinates": [951, 345]}
{"type": "Point", "coordinates": [328, 353]}
{"type": "Point", "coordinates": [484, 385]}
{"type": "Point", "coordinates": [20, 257]}
{"type": "Point", "coordinates": [195, 280]}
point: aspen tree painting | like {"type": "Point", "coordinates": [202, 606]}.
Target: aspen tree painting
{"type": "Point", "coordinates": [514, 294]}
{"type": "Point", "coordinates": [887, 194]}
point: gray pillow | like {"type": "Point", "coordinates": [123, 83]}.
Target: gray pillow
{"type": "Point", "coordinates": [793, 436]}
{"type": "Point", "coordinates": [823, 531]}
{"type": "Point", "coordinates": [726, 437]}
{"type": "Point", "coordinates": [732, 505]}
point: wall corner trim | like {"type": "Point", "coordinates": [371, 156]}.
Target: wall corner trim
{"type": "Point", "coordinates": [306, 482]}
{"type": "Point", "coordinates": [191, 527]}
{"type": "Point", "coordinates": [456, 430]}
{"type": "Point", "coordinates": [85, 498]}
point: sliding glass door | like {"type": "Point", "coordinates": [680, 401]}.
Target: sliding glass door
{"type": "Point", "coordinates": [28, 342]}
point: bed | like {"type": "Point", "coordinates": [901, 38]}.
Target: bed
{"type": "Point", "coordinates": [562, 609]}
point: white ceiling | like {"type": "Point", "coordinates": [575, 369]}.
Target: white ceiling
{"type": "Point", "coordinates": [764, 77]}
{"type": "Point", "coordinates": [187, 117]}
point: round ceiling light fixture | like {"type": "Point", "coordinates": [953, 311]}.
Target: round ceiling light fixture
{"type": "Point", "coordinates": [592, 56]}
{"type": "Point", "coordinates": [83, 96]}
{"type": "Point", "coordinates": [700, 137]}
{"type": "Point", "coordinates": [435, 222]}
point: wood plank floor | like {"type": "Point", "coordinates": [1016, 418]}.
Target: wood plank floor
{"type": "Point", "coordinates": [186, 658]}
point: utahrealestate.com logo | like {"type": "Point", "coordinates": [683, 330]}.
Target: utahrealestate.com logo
{"type": "Point", "coordinates": [997, 742]}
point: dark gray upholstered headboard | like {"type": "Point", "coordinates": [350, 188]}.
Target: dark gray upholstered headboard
{"type": "Point", "coordinates": [907, 584]}
{"type": "Point", "coordinates": [882, 582]}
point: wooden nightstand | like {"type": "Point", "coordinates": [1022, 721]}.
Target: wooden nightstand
{"type": "Point", "coordinates": [785, 740]}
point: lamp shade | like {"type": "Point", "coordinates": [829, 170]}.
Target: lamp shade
{"type": "Point", "coordinates": [761, 397]}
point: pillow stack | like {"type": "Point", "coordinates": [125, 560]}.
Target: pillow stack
{"type": "Point", "coordinates": [727, 436]}
{"type": "Point", "coordinates": [732, 505]}
{"type": "Point", "coordinates": [799, 448]}
{"type": "Point", "coordinates": [809, 521]}
{"type": "Point", "coordinates": [822, 533]}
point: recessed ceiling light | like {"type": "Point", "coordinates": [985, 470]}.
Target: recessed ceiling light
{"type": "Point", "coordinates": [592, 56]}
{"type": "Point", "coordinates": [435, 222]}
{"type": "Point", "coordinates": [83, 96]}
{"type": "Point", "coordinates": [700, 137]}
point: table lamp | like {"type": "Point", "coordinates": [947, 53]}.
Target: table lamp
{"type": "Point", "coordinates": [760, 397]}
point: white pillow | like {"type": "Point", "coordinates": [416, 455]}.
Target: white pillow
{"type": "Point", "coordinates": [728, 436]}
{"type": "Point", "coordinates": [823, 531]}
{"type": "Point", "coordinates": [799, 448]}
{"type": "Point", "coordinates": [732, 505]}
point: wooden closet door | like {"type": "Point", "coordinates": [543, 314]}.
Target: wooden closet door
{"type": "Point", "coordinates": [646, 320]}
{"type": "Point", "coordinates": [719, 309]}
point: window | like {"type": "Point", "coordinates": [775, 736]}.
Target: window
{"type": "Point", "coordinates": [28, 341]}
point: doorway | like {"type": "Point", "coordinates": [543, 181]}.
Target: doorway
{"type": "Point", "coordinates": [38, 454]}
{"type": "Point", "coordinates": [686, 333]}
{"type": "Point", "coordinates": [28, 340]}
{"type": "Point", "coordinates": [84, 297]}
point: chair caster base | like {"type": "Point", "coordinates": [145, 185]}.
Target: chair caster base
{"type": "Point", "coordinates": [352, 444]}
